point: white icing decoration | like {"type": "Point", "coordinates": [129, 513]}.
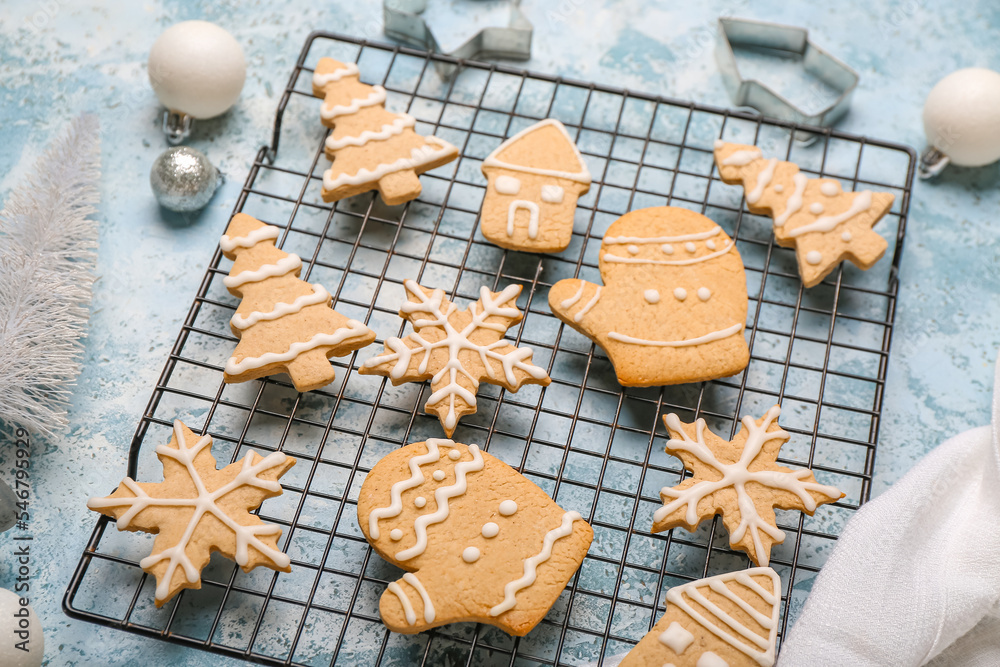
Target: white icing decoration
{"type": "Point", "coordinates": [704, 293]}
{"type": "Point", "coordinates": [829, 188]}
{"type": "Point", "coordinates": [846, 237]}
{"type": "Point", "coordinates": [388, 130]}
{"type": "Point", "coordinates": [419, 157]}
{"type": "Point", "coordinates": [814, 257]}
{"type": "Point", "coordinates": [420, 501]}
{"type": "Point", "coordinates": [470, 555]}
{"type": "Point", "coordinates": [532, 209]}
{"type": "Point", "coordinates": [709, 659]}
{"type": "Point", "coordinates": [815, 208]}
{"type": "Point", "coordinates": [455, 341]}
{"type": "Point", "coordinates": [765, 652]}
{"type": "Point", "coordinates": [266, 232]}
{"type": "Point", "coordinates": [690, 247]}
{"type": "Point", "coordinates": [680, 293]}
{"type": "Point", "coordinates": [861, 204]}
{"type": "Point", "coordinates": [416, 478]}
{"type": "Point", "coordinates": [531, 564]}
{"type": "Point", "coordinates": [508, 185]}
{"type": "Point", "coordinates": [442, 496]}
{"type": "Point", "coordinates": [710, 244]}
{"type": "Point", "coordinates": [737, 475]}
{"type": "Point", "coordinates": [552, 194]}
{"type": "Point", "coordinates": [590, 304]}
{"type": "Point", "coordinates": [581, 176]}
{"type": "Point", "coordinates": [779, 188]}
{"type": "Point", "coordinates": [490, 529]}
{"type": "Point", "coordinates": [667, 249]}
{"type": "Point", "coordinates": [608, 257]}
{"type": "Point", "coordinates": [568, 303]}
{"type": "Point", "coordinates": [396, 589]}
{"type": "Point", "coordinates": [438, 475]}
{"type": "Point", "coordinates": [454, 455]}
{"type": "Point", "coordinates": [395, 534]}
{"type": "Point", "coordinates": [319, 295]}
{"type": "Point", "coordinates": [376, 97]}
{"type": "Point", "coordinates": [279, 268]}
{"type": "Point", "coordinates": [794, 202]}
{"type": "Point", "coordinates": [676, 638]}
{"type": "Point", "coordinates": [651, 296]}
{"type": "Point", "coordinates": [349, 69]}
{"type": "Point", "coordinates": [742, 158]}
{"type": "Point", "coordinates": [412, 580]}
{"type": "Point", "coordinates": [719, 143]}
{"type": "Point", "coordinates": [632, 249]}
{"type": "Point", "coordinates": [508, 507]}
{"type": "Point", "coordinates": [204, 503]}
{"type": "Point", "coordinates": [763, 180]}
{"type": "Point", "coordinates": [690, 342]}
{"type": "Point", "coordinates": [699, 236]}
{"type": "Point", "coordinates": [354, 329]}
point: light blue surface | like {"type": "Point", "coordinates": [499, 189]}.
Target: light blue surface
{"type": "Point", "coordinates": [58, 59]}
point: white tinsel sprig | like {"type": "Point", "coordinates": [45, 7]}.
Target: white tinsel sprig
{"type": "Point", "coordinates": [47, 260]}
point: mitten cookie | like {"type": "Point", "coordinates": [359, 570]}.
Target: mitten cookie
{"type": "Point", "coordinates": [285, 325]}
{"type": "Point", "coordinates": [456, 350]}
{"type": "Point", "coordinates": [535, 178]}
{"type": "Point", "coordinates": [197, 509]}
{"type": "Point", "coordinates": [480, 542]}
{"type": "Point", "coordinates": [674, 300]}
{"type": "Point", "coordinates": [740, 480]}
{"type": "Point", "coordinates": [371, 148]}
{"type": "Point", "coordinates": [730, 620]}
{"type": "Point", "coordinates": [815, 216]}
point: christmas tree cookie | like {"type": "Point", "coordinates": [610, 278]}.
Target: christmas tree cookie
{"type": "Point", "coordinates": [730, 620]}
{"type": "Point", "coordinates": [198, 509]}
{"type": "Point", "coordinates": [815, 216]}
{"type": "Point", "coordinates": [371, 148]}
{"type": "Point", "coordinates": [285, 325]}
{"type": "Point", "coordinates": [674, 301]}
{"type": "Point", "coordinates": [740, 480]}
{"type": "Point", "coordinates": [478, 540]}
{"type": "Point", "coordinates": [456, 350]}
{"type": "Point", "coordinates": [535, 178]}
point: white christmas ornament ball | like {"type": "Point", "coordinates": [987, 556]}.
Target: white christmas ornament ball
{"type": "Point", "coordinates": [197, 68]}
{"type": "Point", "coordinates": [19, 624]}
{"type": "Point", "coordinates": [962, 116]}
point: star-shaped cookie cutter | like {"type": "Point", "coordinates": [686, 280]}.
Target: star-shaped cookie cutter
{"type": "Point", "coordinates": [790, 39]}
{"type": "Point", "coordinates": [402, 21]}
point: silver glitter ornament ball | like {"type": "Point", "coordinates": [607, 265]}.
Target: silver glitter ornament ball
{"type": "Point", "coordinates": [183, 179]}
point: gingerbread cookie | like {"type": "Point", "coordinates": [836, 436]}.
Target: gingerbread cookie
{"type": "Point", "coordinates": [815, 216]}
{"type": "Point", "coordinates": [740, 480]}
{"type": "Point", "coordinates": [730, 620]}
{"type": "Point", "coordinates": [198, 509]}
{"type": "Point", "coordinates": [371, 148]}
{"type": "Point", "coordinates": [456, 350]}
{"type": "Point", "coordinates": [478, 540]}
{"type": "Point", "coordinates": [285, 325]}
{"type": "Point", "coordinates": [674, 300]}
{"type": "Point", "coordinates": [535, 178]}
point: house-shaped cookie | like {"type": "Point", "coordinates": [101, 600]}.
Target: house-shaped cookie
{"type": "Point", "coordinates": [535, 178]}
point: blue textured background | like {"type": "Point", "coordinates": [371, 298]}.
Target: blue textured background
{"type": "Point", "coordinates": [58, 59]}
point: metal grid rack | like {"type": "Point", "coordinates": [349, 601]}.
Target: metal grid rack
{"type": "Point", "coordinates": [591, 444]}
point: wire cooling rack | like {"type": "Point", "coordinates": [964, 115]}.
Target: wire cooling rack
{"type": "Point", "coordinates": [592, 445]}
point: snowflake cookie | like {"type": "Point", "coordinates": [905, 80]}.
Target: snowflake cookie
{"type": "Point", "coordinates": [815, 216]}
{"type": "Point", "coordinates": [198, 509]}
{"type": "Point", "coordinates": [740, 480]}
{"type": "Point", "coordinates": [730, 620]}
{"type": "Point", "coordinates": [457, 349]}
{"type": "Point", "coordinates": [674, 301]}
{"type": "Point", "coordinates": [478, 540]}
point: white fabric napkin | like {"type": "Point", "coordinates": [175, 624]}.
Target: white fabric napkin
{"type": "Point", "coordinates": [915, 576]}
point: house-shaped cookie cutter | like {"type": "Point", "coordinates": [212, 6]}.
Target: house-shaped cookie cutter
{"type": "Point", "coordinates": [793, 40]}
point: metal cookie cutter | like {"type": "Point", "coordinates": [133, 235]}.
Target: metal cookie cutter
{"type": "Point", "coordinates": [403, 22]}
{"type": "Point", "coordinates": [752, 93]}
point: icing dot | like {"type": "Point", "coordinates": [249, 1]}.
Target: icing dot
{"type": "Point", "coordinates": [454, 455]}
{"type": "Point", "coordinates": [652, 296]}
{"type": "Point", "coordinates": [419, 501]}
{"type": "Point", "coordinates": [508, 507]}
{"type": "Point", "coordinates": [704, 293]}
{"type": "Point", "coordinates": [680, 294]}
{"type": "Point", "coordinates": [396, 534]}
{"type": "Point", "coordinates": [470, 555]}
{"type": "Point", "coordinates": [846, 236]}
{"type": "Point", "coordinates": [815, 208]}
{"type": "Point", "coordinates": [667, 249]}
{"type": "Point", "coordinates": [710, 244]}
{"type": "Point", "coordinates": [829, 189]}
{"type": "Point", "coordinates": [814, 257]}
{"type": "Point", "coordinates": [632, 249]}
{"type": "Point", "coordinates": [779, 188]}
{"type": "Point", "coordinates": [490, 529]}
{"type": "Point", "coordinates": [690, 247]}
{"type": "Point", "coordinates": [438, 475]}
